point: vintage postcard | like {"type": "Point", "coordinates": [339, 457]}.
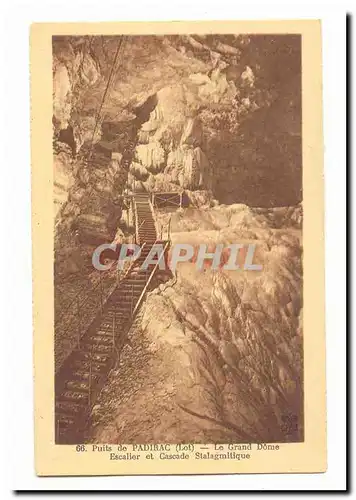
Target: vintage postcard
{"type": "Point", "coordinates": [178, 268]}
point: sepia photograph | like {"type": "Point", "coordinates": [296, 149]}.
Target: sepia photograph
{"type": "Point", "coordinates": [177, 231]}
{"type": "Point", "coordinates": [175, 262]}
{"type": "Point", "coordinates": [178, 239]}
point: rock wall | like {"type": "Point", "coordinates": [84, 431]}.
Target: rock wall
{"type": "Point", "coordinates": [218, 356]}
{"type": "Point", "coordinates": [210, 114]}
{"type": "Point", "coordinates": [237, 335]}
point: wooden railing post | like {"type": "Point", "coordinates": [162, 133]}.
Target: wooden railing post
{"type": "Point", "coordinates": [101, 293]}
{"type": "Point", "coordinates": [150, 275]}
{"type": "Point", "coordinates": [79, 324]}
{"type": "Point", "coordinates": [169, 229]}
{"type": "Point", "coordinates": [90, 377]}
{"type": "Point", "coordinates": [57, 431]}
{"type": "Point", "coordinates": [113, 330]}
{"type": "Point", "coordinates": [132, 296]}
{"type": "Point", "coordinates": [136, 223]}
{"type": "Point", "coordinates": [153, 214]}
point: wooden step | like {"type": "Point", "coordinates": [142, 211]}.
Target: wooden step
{"type": "Point", "coordinates": [138, 281]}
{"type": "Point", "coordinates": [114, 315]}
{"type": "Point", "coordinates": [65, 421]}
{"type": "Point", "coordinates": [75, 396]}
{"type": "Point", "coordinates": [108, 325]}
{"type": "Point", "coordinates": [102, 359]}
{"type": "Point", "coordinates": [126, 297]}
{"type": "Point", "coordinates": [84, 376]}
{"type": "Point", "coordinates": [128, 293]}
{"type": "Point", "coordinates": [129, 284]}
{"type": "Point", "coordinates": [133, 289]}
{"type": "Point", "coordinates": [82, 364]}
{"type": "Point", "coordinates": [68, 408]}
{"type": "Point", "coordinates": [121, 312]}
{"type": "Point", "coordinates": [113, 311]}
{"type": "Point", "coordinates": [96, 348]}
{"type": "Point", "coordinates": [77, 385]}
{"type": "Point", "coordinates": [121, 307]}
{"type": "Point", "coordinates": [99, 339]}
{"type": "Point", "coordinates": [108, 332]}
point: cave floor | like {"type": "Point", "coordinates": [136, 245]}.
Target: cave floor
{"type": "Point", "coordinates": [138, 404]}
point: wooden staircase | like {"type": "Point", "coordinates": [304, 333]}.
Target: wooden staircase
{"type": "Point", "coordinates": [84, 373]}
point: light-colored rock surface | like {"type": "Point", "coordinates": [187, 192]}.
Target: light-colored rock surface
{"type": "Point", "coordinates": [217, 355]}
{"type": "Point", "coordinates": [185, 113]}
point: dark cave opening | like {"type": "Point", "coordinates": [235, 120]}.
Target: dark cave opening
{"type": "Point", "coordinates": [66, 135]}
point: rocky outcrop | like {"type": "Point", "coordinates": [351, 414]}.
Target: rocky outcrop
{"type": "Point", "coordinates": [151, 156]}
{"type": "Point", "coordinates": [237, 335]}
{"type": "Point", "coordinates": [63, 177]}
{"type": "Point", "coordinates": [218, 355]}
{"type": "Point", "coordinates": [74, 71]}
{"type": "Point", "coordinates": [172, 142]}
{"type": "Point", "coordinates": [199, 113]}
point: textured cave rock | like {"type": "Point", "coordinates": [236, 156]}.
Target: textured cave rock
{"type": "Point", "coordinates": [220, 117]}
{"type": "Point", "coordinates": [226, 346]}
{"type": "Point", "coordinates": [219, 114]}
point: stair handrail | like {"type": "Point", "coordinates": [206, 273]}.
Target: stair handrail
{"type": "Point", "coordinates": [75, 316]}
{"type": "Point", "coordinates": [138, 303]}
{"type": "Point", "coordinates": [153, 215]}
{"type": "Point", "coordinates": [131, 264]}
{"type": "Point", "coordinates": [99, 282]}
{"type": "Point", "coordinates": [142, 223]}
{"type": "Point", "coordinates": [136, 223]}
